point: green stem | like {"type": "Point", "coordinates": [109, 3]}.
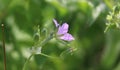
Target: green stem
{"type": "Point", "coordinates": [106, 29]}
{"type": "Point", "coordinates": [46, 55]}
{"type": "Point", "coordinates": [45, 41]}
{"type": "Point", "coordinates": [24, 67]}
{"type": "Point", "coordinates": [41, 44]}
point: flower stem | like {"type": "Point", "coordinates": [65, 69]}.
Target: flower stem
{"type": "Point", "coordinates": [45, 41]}
{"type": "Point", "coordinates": [41, 44]}
{"type": "Point", "coordinates": [4, 47]}
{"type": "Point", "coordinates": [46, 55]}
{"type": "Point", "coordinates": [106, 29]}
{"type": "Point", "coordinates": [24, 67]}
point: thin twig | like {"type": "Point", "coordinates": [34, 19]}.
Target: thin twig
{"type": "Point", "coordinates": [24, 67]}
{"type": "Point", "coordinates": [4, 51]}
{"type": "Point", "coordinates": [47, 56]}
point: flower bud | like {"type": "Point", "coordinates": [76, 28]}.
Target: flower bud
{"type": "Point", "coordinates": [36, 37]}
{"type": "Point", "coordinates": [44, 32]}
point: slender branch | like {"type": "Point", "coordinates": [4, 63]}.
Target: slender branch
{"type": "Point", "coordinates": [47, 55]}
{"type": "Point", "coordinates": [106, 29]}
{"type": "Point", "coordinates": [41, 44]}
{"type": "Point", "coordinates": [4, 51]}
{"type": "Point", "coordinates": [45, 41]}
{"type": "Point", "coordinates": [24, 67]}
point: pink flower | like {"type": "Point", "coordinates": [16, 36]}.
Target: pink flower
{"type": "Point", "coordinates": [63, 31]}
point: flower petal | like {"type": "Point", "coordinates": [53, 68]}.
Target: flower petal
{"type": "Point", "coordinates": [67, 37]}
{"type": "Point", "coordinates": [63, 29]}
{"type": "Point", "coordinates": [55, 22]}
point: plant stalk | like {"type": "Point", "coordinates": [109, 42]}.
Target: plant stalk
{"type": "Point", "coordinates": [4, 50]}
{"type": "Point", "coordinates": [24, 67]}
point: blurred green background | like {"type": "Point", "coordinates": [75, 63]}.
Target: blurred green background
{"type": "Point", "coordinates": [96, 50]}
